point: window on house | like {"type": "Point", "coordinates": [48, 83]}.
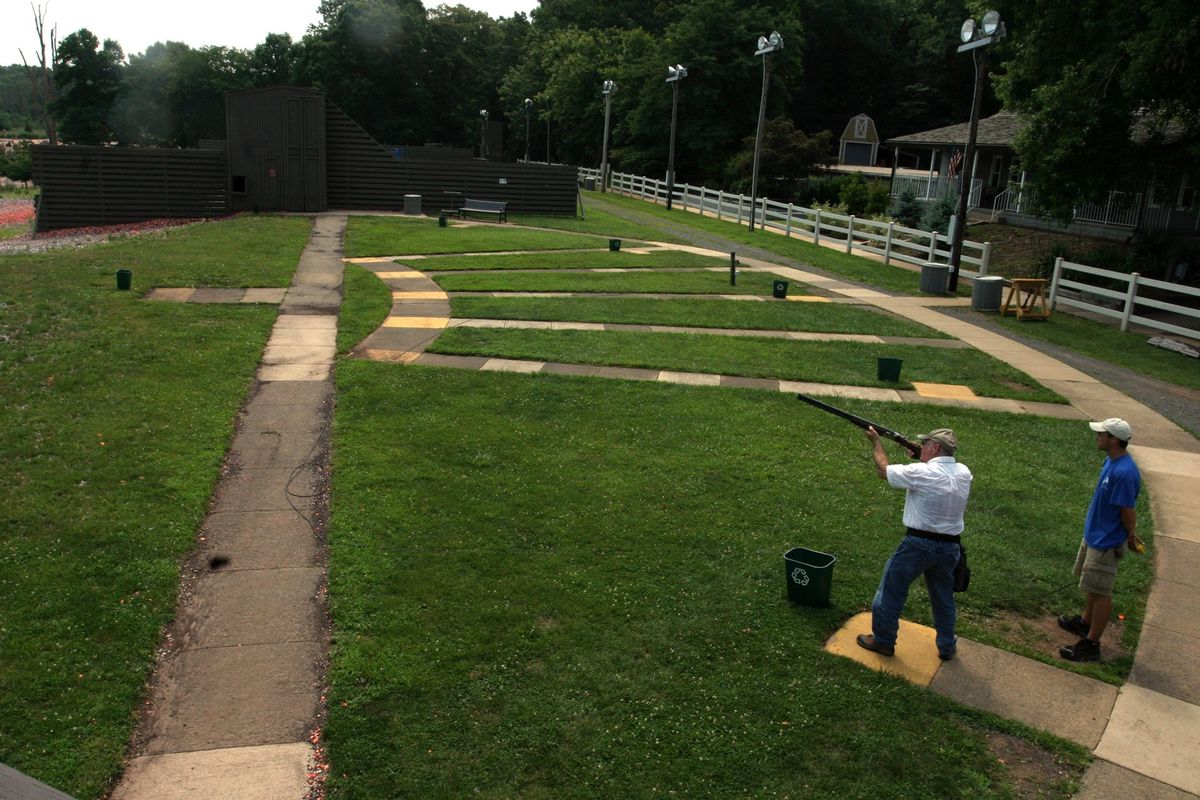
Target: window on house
{"type": "Point", "coordinates": [237, 184]}
{"type": "Point", "coordinates": [1162, 190]}
{"type": "Point", "coordinates": [1187, 194]}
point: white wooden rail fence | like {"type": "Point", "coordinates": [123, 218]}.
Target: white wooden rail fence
{"type": "Point", "coordinates": [1127, 298]}
{"type": "Point", "coordinates": [890, 240]}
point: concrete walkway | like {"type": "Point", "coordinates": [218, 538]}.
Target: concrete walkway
{"type": "Point", "coordinates": [1145, 735]}
{"type": "Point", "coordinates": [237, 691]}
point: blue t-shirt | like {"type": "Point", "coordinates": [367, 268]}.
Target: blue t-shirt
{"type": "Point", "coordinates": [1117, 489]}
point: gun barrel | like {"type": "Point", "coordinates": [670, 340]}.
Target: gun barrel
{"type": "Point", "coordinates": [863, 423]}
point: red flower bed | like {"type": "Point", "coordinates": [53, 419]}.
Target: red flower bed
{"type": "Point", "coordinates": [12, 215]}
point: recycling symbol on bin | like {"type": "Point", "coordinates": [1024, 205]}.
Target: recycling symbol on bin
{"type": "Point", "coordinates": [800, 576]}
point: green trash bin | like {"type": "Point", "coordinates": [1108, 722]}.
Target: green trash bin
{"type": "Point", "coordinates": [779, 289]}
{"type": "Point", "coordinates": [614, 245]}
{"type": "Point", "coordinates": [442, 220]}
{"type": "Point", "coordinates": [809, 576]}
{"type": "Point", "coordinates": [124, 279]}
{"type": "Point", "coordinates": [888, 369]}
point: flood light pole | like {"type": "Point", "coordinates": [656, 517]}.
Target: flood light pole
{"type": "Point", "coordinates": [766, 46]}
{"type": "Point", "coordinates": [528, 108]}
{"type": "Point", "coordinates": [974, 37]}
{"type": "Point", "coordinates": [607, 90]}
{"type": "Point", "coordinates": [674, 75]}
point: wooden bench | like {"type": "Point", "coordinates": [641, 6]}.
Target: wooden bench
{"type": "Point", "coordinates": [500, 209]}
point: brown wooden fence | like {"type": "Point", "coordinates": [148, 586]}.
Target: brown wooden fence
{"type": "Point", "coordinates": [362, 174]}
{"type": "Point", "coordinates": [83, 186]}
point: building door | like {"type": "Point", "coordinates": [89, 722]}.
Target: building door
{"type": "Point", "coordinates": [302, 133]}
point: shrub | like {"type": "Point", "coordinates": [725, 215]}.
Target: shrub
{"type": "Point", "coordinates": [937, 216]}
{"type": "Point", "coordinates": [879, 197]}
{"type": "Point", "coordinates": [854, 195]}
{"type": "Point", "coordinates": [908, 210]}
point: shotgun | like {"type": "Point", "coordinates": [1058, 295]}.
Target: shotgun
{"type": "Point", "coordinates": [887, 433]}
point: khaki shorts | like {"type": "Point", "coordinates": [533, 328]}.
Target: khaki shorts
{"type": "Point", "coordinates": [1096, 569]}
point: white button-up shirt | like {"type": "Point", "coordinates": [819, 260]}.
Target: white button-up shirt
{"type": "Point", "coordinates": [937, 493]}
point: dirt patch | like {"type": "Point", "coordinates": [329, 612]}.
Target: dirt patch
{"type": "Point", "coordinates": [1043, 635]}
{"type": "Point", "coordinates": [1035, 771]}
{"type": "Point", "coordinates": [1019, 252]}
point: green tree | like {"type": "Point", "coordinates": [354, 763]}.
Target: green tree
{"type": "Point", "coordinates": [908, 209]}
{"type": "Point", "coordinates": [17, 164]}
{"type": "Point", "coordinates": [366, 56]}
{"type": "Point", "coordinates": [272, 62]}
{"type": "Point", "coordinates": [1099, 87]}
{"type": "Point", "coordinates": [87, 80]}
{"type": "Point", "coordinates": [787, 154]}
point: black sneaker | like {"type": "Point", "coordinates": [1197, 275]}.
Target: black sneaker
{"type": "Point", "coordinates": [1076, 624]}
{"type": "Point", "coordinates": [1083, 650]}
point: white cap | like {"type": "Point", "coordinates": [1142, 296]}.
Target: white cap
{"type": "Point", "coordinates": [1115, 426]}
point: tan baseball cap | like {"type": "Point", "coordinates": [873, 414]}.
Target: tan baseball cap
{"type": "Point", "coordinates": [1115, 426]}
{"type": "Point", "coordinates": [944, 437]}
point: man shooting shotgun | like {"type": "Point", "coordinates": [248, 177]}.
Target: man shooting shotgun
{"type": "Point", "coordinates": [913, 448]}
{"type": "Point", "coordinates": [936, 492]}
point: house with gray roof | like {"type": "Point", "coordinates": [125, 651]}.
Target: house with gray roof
{"type": "Point", "coordinates": [1163, 197]}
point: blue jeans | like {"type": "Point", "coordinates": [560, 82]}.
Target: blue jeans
{"type": "Point", "coordinates": [915, 556]}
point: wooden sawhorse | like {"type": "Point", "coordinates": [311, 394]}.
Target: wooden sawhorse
{"type": "Point", "coordinates": [1030, 294]}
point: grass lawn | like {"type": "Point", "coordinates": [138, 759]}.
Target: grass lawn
{"type": "Point", "coordinates": [598, 222]}
{"type": "Point", "coordinates": [698, 282]}
{"type": "Point", "coordinates": [366, 302]}
{"type": "Point", "coordinates": [114, 419]}
{"type": "Point", "coordinates": [1084, 336]}
{"type": "Point", "coordinates": [818, 317]}
{"type": "Point", "coordinates": [580, 260]}
{"type": "Point", "coordinates": [851, 267]}
{"type": "Point", "coordinates": [573, 588]}
{"type": "Point", "coordinates": [849, 363]}
{"type": "Point", "coordinates": [384, 236]}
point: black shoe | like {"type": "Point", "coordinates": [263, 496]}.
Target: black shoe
{"type": "Point", "coordinates": [1083, 650]}
{"type": "Point", "coordinates": [1076, 624]}
{"type": "Point", "coordinates": [867, 642]}
{"type": "Point", "coordinates": [947, 655]}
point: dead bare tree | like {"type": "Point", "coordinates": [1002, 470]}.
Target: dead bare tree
{"type": "Point", "coordinates": [41, 80]}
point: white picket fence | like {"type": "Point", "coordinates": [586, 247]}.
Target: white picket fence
{"type": "Point", "coordinates": [1126, 299]}
{"type": "Point", "coordinates": [890, 240]}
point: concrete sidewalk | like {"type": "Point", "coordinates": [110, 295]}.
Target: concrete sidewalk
{"type": "Point", "coordinates": [237, 691]}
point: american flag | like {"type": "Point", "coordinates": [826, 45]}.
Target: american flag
{"type": "Point", "coordinates": [955, 163]}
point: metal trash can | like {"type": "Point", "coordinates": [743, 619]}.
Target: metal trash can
{"type": "Point", "coordinates": [412, 204]}
{"type": "Point", "coordinates": [124, 279]}
{"type": "Point", "coordinates": [934, 278]}
{"type": "Point", "coordinates": [888, 369]}
{"type": "Point", "coordinates": [589, 184]}
{"type": "Point", "coordinates": [809, 576]}
{"type": "Point", "coordinates": [986, 291]}
{"type": "Point", "coordinates": [779, 289]}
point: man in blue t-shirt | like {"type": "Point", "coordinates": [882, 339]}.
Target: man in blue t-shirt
{"type": "Point", "coordinates": [1110, 528]}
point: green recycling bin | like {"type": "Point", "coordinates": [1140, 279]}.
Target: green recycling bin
{"type": "Point", "coordinates": [124, 279]}
{"type": "Point", "coordinates": [442, 220]}
{"type": "Point", "coordinates": [888, 369]}
{"type": "Point", "coordinates": [809, 576]}
{"type": "Point", "coordinates": [614, 245]}
{"type": "Point", "coordinates": [779, 289]}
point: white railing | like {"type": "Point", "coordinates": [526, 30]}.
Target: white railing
{"type": "Point", "coordinates": [1126, 300]}
{"type": "Point", "coordinates": [1119, 209]}
{"type": "Point", "coordinates": [890, 240]}
{"type": "Point", "coordinates": [924, 187]}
